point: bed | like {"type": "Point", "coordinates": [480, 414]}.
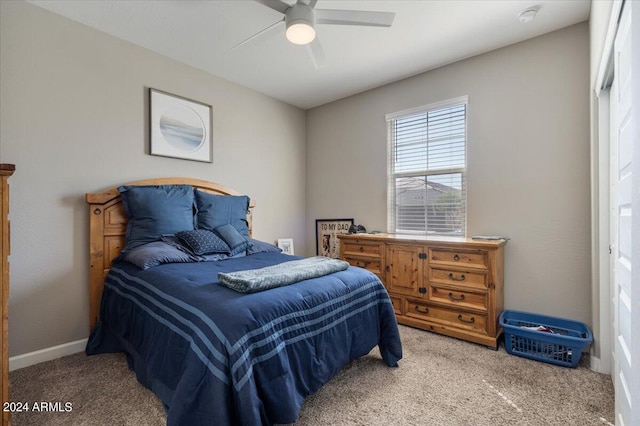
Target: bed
{"type": "Point", "coordinates": [214, 355]}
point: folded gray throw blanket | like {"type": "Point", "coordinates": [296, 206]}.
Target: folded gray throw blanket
{"type": "Point", "coordinates": [254, 280]}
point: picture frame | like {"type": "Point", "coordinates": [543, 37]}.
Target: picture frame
{"type": "Point", "coordinates": [179, 127]}
{"type": "Point", "coordinates": [286, 245]}
{"type": "Point", "coordinates": [327, 243]}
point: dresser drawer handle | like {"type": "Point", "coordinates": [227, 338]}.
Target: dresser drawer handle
{"type": "Point", "coordinates": [361, 249]}
{"type": "Point", "coordinates": [469, 321]}
{"type": "Point", "coordinates": [452, 277]}
{"type": "Point", "coordinates": [426, 310]}
{"type": "Point", "coordinates": [456, 299]}
{"type": "Point", "coordinates": [456, 257]}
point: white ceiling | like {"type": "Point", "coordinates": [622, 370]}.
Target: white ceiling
{"type": "Point", "coordinates": [424, 35]}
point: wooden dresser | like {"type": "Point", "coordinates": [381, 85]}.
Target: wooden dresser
{"type": "Point", "coordinates": [447, 285]}
{"type": "Point", "coordinates": [6, 170]}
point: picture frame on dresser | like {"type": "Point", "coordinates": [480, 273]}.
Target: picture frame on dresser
{"type": "Point", "coordinates": [179, 127]}
{"type": "Point", "coordinates": [286, 245]}
{"type": "Point", "coordinates": [327, 230]}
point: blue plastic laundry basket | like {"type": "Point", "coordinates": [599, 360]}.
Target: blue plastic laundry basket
{"type": "Point", "coordinates": [563, 346]}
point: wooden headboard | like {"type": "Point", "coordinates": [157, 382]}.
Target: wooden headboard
{"type": "Point", "coordinates": [107, 226]}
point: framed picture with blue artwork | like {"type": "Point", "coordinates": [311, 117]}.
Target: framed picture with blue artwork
{"type": "Point", "coordinates": [179, 127]}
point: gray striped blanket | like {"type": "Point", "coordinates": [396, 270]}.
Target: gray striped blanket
{"type": "Point", "coordinates": [254, 280]}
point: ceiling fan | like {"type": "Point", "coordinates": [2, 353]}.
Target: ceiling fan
{"type": "Point", "coordinates": [301, 18]}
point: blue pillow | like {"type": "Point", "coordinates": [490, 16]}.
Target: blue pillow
{"type": "Point", "coordinates": [156, 210]}
{"type": "Point", "coordinates": [153, 254]}
{"type": "Point", "coordinates": [201, 242]}
{"type": "Point", "coordinates": [176, 243]}
{"type": "Point", "coordinates": [217, 210]}
{"type": "Point", "coordinates": [257, 246]}
{"type": "Point", "coordinates": [236, 241]}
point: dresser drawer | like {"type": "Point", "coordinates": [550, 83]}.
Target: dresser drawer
{"type": "Point", "coordinates": [370, 264]}
{"type": "Point", "coordinates": [469, 279]}
{"type": "Point", "coordinates": [449, 317]}
{"type": "Point", "coordinates": [476, 259]}
{"type": "Point", "coordinates": [458, 298]}
{"type": "Point", "coordinates": [361, 248]}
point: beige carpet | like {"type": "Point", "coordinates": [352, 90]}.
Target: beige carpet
{"type": "Point", "coordinates": [440, 381]}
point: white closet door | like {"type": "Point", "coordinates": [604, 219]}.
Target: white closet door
{"type": "Point", "coordinates": [621, 144]}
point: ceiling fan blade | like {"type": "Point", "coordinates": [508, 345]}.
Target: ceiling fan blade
{"type": "Point", "coordinates": [317, 53]}
{"type": "Point", "coordinates": [278, 5]}
{"type": "Point", "coordinates": [258, 34]}
{"type": "Point", "coordinates": [354, 17]}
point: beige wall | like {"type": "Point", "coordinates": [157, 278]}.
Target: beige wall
{"type": "Point", "coordinates": [528, 161]}
{"type": "Point", "coordinates": [73, 114]}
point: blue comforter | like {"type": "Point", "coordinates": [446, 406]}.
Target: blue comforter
{"type": "Point", "coordinates": [218, 357]}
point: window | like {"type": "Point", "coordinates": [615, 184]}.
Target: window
{"type": "Point", "coordinates": [427, 168]}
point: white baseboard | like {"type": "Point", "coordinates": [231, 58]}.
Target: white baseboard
{"type": "Point", "coordinates": [598, 366]}
{"type": "Point", "coordinates": [594, 363]}
{"type": "Point", "coordinates": [48, 354]}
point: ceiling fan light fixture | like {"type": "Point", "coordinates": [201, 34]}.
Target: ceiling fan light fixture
{"type": "Point", "coordinates": [300, 20]}
{"type": "Point", "coordinates": [300, 32]}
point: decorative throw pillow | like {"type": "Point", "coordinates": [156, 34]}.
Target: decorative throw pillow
{"type": "Point", "coordinates": [202, 241]}
{"type": "Point", "coordinates": [236, 241]}
{"type": "Point", "coordinates": [176, 243]}
{"type": "Point", "coordinates": [217, 210]}
{"type": "Point", "coordinates": [257, 246]}
{"type": "Point", "coordinates": [156, 210]}
{"type": "Point", "coordinates": [153, 254]}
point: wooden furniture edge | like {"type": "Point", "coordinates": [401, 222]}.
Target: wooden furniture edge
{"type": "Point", "coordinates": [6, 170]}
{"type": "Point", "coordinates": [458, 333]}
{"type": "Point", "coordinates": [440, 240]}
{"type": "Point", "coordinates": [102, 204]}
{"type": "Point", "coordinates": [103, 197]}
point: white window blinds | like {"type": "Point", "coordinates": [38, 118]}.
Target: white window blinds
{"type": "Point", "coordinates": [427, 168]}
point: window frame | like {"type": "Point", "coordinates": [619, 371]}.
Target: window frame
{"type": "Point", "coordinates": [392, 176]}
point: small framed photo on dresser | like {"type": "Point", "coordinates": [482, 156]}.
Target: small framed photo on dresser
{"type": "Point", "coordinates": [327, 230]}
{"type": "Point", "coordinates": [286, 245]}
